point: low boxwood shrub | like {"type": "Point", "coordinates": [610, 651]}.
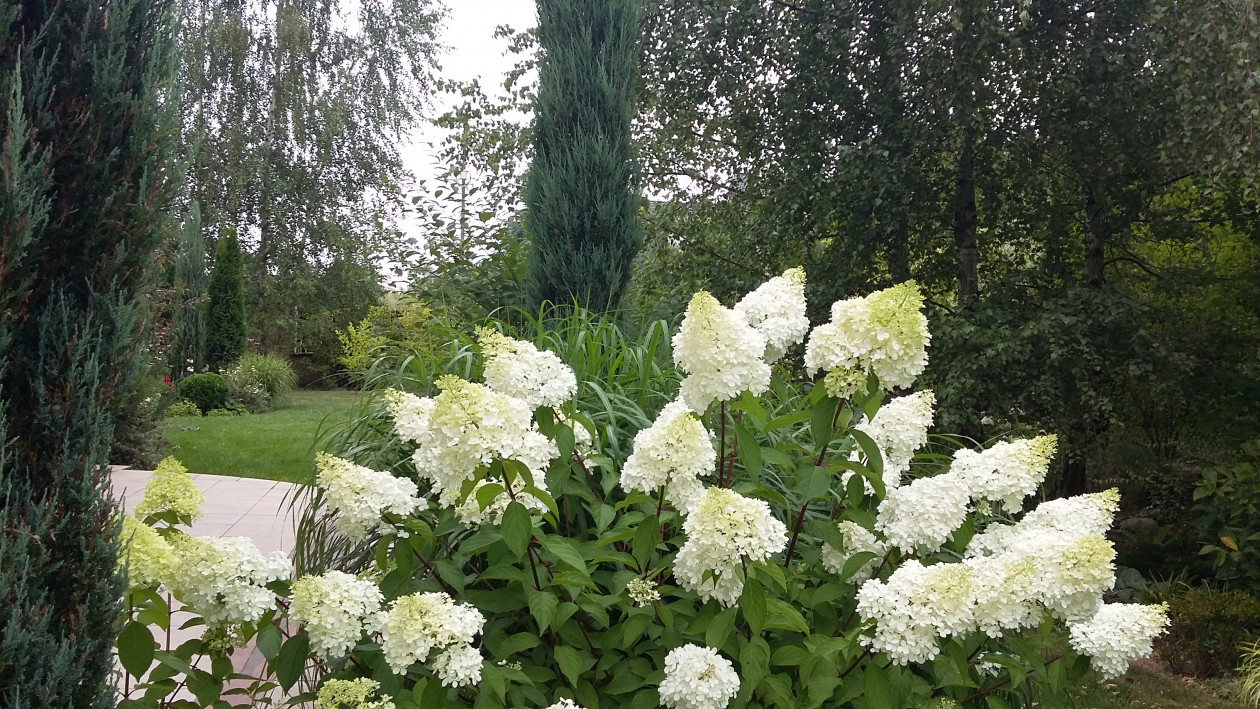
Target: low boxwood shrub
{"type": "Point", "coordinates": [183, 407]}
{"type": "Point", "coordinates": [206, 391]}
{"type": "Point", "coordinates": [1208, 627]}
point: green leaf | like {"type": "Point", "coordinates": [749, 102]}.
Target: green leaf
{"type": "Point", "coordinates": [516, 643]}
{"type": "Point", "coordinates": [292, 660]}
{"type": "Point", "coordinates": [135, 648]}
{"type": "Point", "coordinates": [749, 451]}
{"type": "Point", "coordinates": [542, 605]}
{"type": "Point", "coordinates": [486, 494]}
{"type": "Point", "coordinates": [569, 662]}
{"type": "Point", "coordinates": [565, 441]}
{"type": "Point", "coordinates": [645, 539]}
{"type": "Point", "coordinates": [517, 528]}
{"type": "Point", "coordinates": [855, 562]}
{"type": "Point", "coordinates": [784, 617]}
{"type": "Point", "coordinates": [205, 688]}
{"type": "Point", "coordinates": [874, 458]}
{"type": "Point", "coordinates": [720, 628]}
{"type": "Point", "coordinates": [754, 661]}
{"type": "Point", "coordinates": [434, 695]}
{"type": "Point", "coordinates": [269, 641]}
{"type": "Point", "coordinates": [564, 550]}
{"type": "Point", "coordinates": [753, 604]}
{"type": "Point", "coordinates": [812, 481]}
{"type": "Point", "coordinates": [820, 421]}
{"type": "Point", "coordinates": [875, 687]}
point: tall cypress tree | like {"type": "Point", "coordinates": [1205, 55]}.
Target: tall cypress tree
{"type": "Point", "coordinates": [225, 335]}
{"type": "Point", "coordinates": [87, 168]}
{"type": "Point", "coordinates": [583, 186]}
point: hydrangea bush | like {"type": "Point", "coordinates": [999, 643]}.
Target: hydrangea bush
{"type": "Point", "coordinates": [767, 543]}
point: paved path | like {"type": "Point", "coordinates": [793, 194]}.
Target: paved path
{"type": "Point", "coordinates": [234, 507]}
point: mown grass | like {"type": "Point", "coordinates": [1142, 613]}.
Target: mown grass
{"type": "Point", "coordinates": [1143, 689]}
{"type": "Point", "coordinates": [277, 445]}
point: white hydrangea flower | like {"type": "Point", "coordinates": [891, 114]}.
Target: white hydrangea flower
{"type": "Point", "coordinates": [674, 450]}
{"type": "Point", "coordinates": [336, 609]}
{"type": "Point", "coordinates": [144, 553]}
{"type": "Point", "coordinates": [884, 333]}
{"type": "Point", "coordinates": [1007, 472]}
{"type": "Point", "coordinates": [1082, 514]}
{"type": "Point", "coordinates": [857, 539]}
{"type": "Point", "coordinates": [724, 528]}
{"type": "Point", "coordinates": [351, 694]}
{"type": "Point", "coordinates": [358, 496]}
{"type": "Point", "coordinates": [171, 489]}
{"type": "Point", "coordinates": [472, 515]}
{"type": "Point", "coordinates": [721, 353]}
{"type": "Point", "coordinates": [566, 704]}
{"type": "Point", "coordinates": [1118, 633]}
{"type": "Point", "coordinates": [923, 513]}
{"type": "Point", "coordinates": [467, 426]}
{"type": "Point", "coordinates": [915, 606]}
{"type": "Point", "coordinates": [1003, 593]}
{"type": "Point", "coordinates": [899, 429]}
{"type": "Point", "coordinates": [410, 413]}
{"type": "Point", "coordinates": [520, 370]}
{"type": "Point", "coordinates": [777, 310]}
{"type": "Point", "coordinates": [1073, 572]}
{"type": "Point", "coordinates": [423, 622]}
{"type": "Point", "coordinates": [697, 678]}
{"type": "Point", "coordinates": [458, 666]}
{"type": "Point", "coordinates": [223, 579]}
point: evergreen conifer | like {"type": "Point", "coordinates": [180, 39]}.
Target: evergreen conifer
{"type": "Point", "coordinates": [225, 334]}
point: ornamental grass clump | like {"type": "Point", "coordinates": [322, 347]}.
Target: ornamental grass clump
{"type": "Point", "coordinates": [752, 541]}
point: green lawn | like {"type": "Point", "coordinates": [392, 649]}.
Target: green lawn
{"type": "Point", "coordinates": [277, 445]}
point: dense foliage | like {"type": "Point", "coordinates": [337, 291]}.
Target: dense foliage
{"type": "Point", "coordinates": [206, 391]}
{"type": "Point", "coordinates": [583, 186]}
{"type": "Point", "coordinates": [86, 175]}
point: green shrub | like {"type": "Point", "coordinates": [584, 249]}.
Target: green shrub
{"type": "Point", "coordinates": [206, 391]}
{"type": "Point", "coordinates": [257, 381]}
{"type": "Point", "coordinates": [222, 412]}
{"type": "Point", "coordinates": [1228, 506]}
{"type": "Point", "coordinates": [1207, 628]}
{"type": "Point", "coordinates": [183, 407]}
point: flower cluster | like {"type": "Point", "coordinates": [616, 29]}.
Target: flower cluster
{"type": "Point", "coordinates": [923, 513]}
{"type": "Point", "coordinates": [642, 592]}
{"type": "Point", "coordinates": [1117, 633]}
{"type": "Point", "coordinates": [170, 490]}
{"type": "Point", "coordinates": [1007, 472]}
{"type": "Point", "coordinates": [223, 579]}
{"type": "Point", "coordinates": [720, 352]}
{"type": "Point", "coordinates": [463, 428]}
{"type": "Point", "coordinates": [777, 311]}
{"type": "Point", "coordinates": [723, 529]}
{"type": "Point", "coordinates": [359, 496]}
{"type": "Point", "coordinates": [351, 694]}
{"type": "Point", "coordinates": [674, 451]}
{"type": "Point", "coordinates": [519, 369]}
{"type": "Point", "coordinates": [425, 623]}
{"type": "Point", "coordinates": [697, 678]}
{"type": "Point", "coordinates": [857, 539]}
{"type": "Point", "coordinates": [336, 609]}
{"type": "Point", "coordinates": [883, 333]}
{"type": "Point", "coordinates": [566, 704]}
{"type": "Point", "coordinates": [916, 605]}
{"type": "Point", "coordinates": [900, 429]}
{"type": "Point", "coordinates": [146, 555]}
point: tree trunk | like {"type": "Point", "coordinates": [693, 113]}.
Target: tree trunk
{"type": "Point", "coordinates": [1095, 239]}
{"type": "Point", "coordinates": [965, 221]}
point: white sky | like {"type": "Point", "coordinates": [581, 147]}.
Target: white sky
{"type": "Point", "coordinates": [473, 53]}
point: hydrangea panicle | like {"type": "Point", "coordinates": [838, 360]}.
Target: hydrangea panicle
{"type": "Point", "coordinates": [720, 352]}
{"type": "Point", "coordinates": [900, 429]}
{"type": "Point", "coordinates": [777, 310]}
{"type": "Point", "coordinates": [697, 678]}
{"type": "Point", "coordinates": [423, 623]}
{"type": "Point", "coordinates": [884, 333]}
{"type": "Point", "coordinates": [336, 609]}
{"type": "Point", "coordinates": [924, 513]}
{"type": "Point", "coordinates": [359, 496]}
{"type": "Point", "coordinates": [144, 553]}
{"type": "Point", "coordinates": [675, 450]}
{"type": "Point", "coordinates": [223, 579]}
{"type": "Point", "coordinates": [171, 490]}
{"type": "Point", "coordinates": [520, 370]}
{"type": "Point", "coordinates": [915, 606]}
{"type": "Point", "coordinates": [350, 694]}
{"type": "Point", "coordinates": [1006, 472]}
{"type": "Point", "coordinates": [724, 528]}
{"type": "Point", "coordinates": [1118, 633]}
